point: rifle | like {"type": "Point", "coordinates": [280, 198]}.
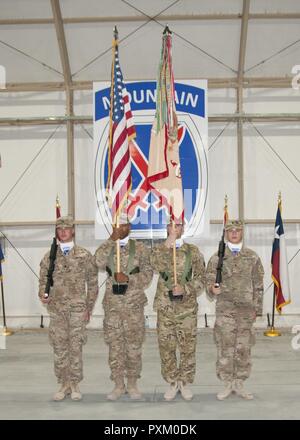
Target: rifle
{"type": "Point", "coordinates": [52, 258]}
{"type": "Point", "coordinates": [221, 253]}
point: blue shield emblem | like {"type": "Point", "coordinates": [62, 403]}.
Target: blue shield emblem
{"type": "Point", "coordinates": [147, 211]}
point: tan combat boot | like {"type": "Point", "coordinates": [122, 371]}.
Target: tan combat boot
{"type": "Point", "coordinates": [76, 394]}
{"type": "Point", "coordinates": [118, 390]}
{"type": "Point", "coordinates": [132, 388]}
{"type": "Point", "coordinates": [186, 392]}
{"type": "Point", "coordinates": [171, 392]}
{"type": "Point", "coordinates": [222, 395]}
{"type": "Point", "coordinates": [62, 392]}
{"type": "Point", "coordinates": [240, 390]}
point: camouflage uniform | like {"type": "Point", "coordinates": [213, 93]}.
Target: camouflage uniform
{"type": "Point", "coordinates": [74, 292]}
{"type": "Point", "coordinates": [177, 320]}
{"type": "Point", "coordinates": [241, 296]}
{"type": "Point", "coordinates": [124, 321]}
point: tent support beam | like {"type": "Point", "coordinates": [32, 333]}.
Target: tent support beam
{"type": "Point", "coordinates": [64, 56]}
{"type": "Point", "coordinates": [240, 147]}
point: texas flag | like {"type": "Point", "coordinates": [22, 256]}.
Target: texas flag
{"type": "Point", "coordinates": [280, 274]}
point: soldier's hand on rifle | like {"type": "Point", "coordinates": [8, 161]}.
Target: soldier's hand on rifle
{"type": "Point", "coordinates": [45, 300]}
{"type": "Point", "coordinates": [216, 289]}
{"type": "Point", "coordinates": [178, 290]}
{"type": "Point", "coordinates": [121, 278]}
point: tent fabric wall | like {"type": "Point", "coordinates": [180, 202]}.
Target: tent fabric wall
{"type": "Point", "coordinates": [202, 48]}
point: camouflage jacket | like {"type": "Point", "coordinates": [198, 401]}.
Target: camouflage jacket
{"type": "Point", "coordinates": [138, 282]}
{"type": "Point", "coordinates": [242, 281]}
{"type": "Point", "coordinates": [162, 261]}
{"type": "Point", "coordinates": [75, 280]}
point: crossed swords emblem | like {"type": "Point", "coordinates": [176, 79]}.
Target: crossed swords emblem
{"type": "Point", "coordinates": [138, 198]}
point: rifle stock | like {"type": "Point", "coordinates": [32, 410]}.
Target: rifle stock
{"type": "Point", "coordinates": [221, 253]}
{"type": "Point", "coordinates": [52, 258]}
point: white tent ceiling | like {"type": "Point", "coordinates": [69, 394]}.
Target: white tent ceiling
{"type": "Point", "coordinates": [207, 46]}
{"type": "Point", "coordinates": [247, 58]}
{"type": "Point", "coordinates": [238, 45]}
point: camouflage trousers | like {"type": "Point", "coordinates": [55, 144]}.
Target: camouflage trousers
{"type": "Point", "coordinates": [234, 338]}
{"type": "Point", "coordinates": [177, 330]}
{"type": "Point", "coordinates": [124, 332]}
{"type": "Point", "coordinates": [67, 334]}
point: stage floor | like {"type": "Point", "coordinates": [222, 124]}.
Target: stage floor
{"type": "Point", "coordinates": [27, 382]}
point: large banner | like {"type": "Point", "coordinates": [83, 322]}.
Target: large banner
{"type": "Point", "coordinates": [147, 214]}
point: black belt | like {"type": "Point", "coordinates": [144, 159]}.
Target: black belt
{"type": "Point", "coordinates": [119, 289]}
{"type": "Point", "coordinates": [175, 297]}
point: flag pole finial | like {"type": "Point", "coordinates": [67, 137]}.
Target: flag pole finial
{"type": "Point", "coordinates": [279, 198]}
{"type": "Point", "coordinates": [167, 30]}
{"type": "Point", "coordinates": [225, 201]}
{"type": "Point", "coordinates": [116, 33]}
{"type": "Point", "coordinates": [58, 213]}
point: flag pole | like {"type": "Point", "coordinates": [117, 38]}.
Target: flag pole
{"type": "Point", "coordinates": [174, 246]}
{"type": "Point", "coordinates": [116, 36]}
{"type": "Point", "coordinates": [225, 209]}
{"type": "Point", "coordinates": [118, 247]}
{"type": "Point", "coordinates": [5, 331]}
{"type": "Point", "coordinates": [174, 257]}
{"type": "Point", "coordinates": [272, 332]}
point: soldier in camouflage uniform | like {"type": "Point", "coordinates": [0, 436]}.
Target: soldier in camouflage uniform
{"type": "Point", "coordinates": [176, 308]}
{"type": "Point", "coordinates": [124, 321]}
{"type": "Point", "coordinates": [70, 304]}
{"type": "Point", "coordinates": [239, 300]}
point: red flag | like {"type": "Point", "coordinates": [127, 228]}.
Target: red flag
{"type": "Point", "coordinates": [58, 213]}
{"type": "Point", "coordinates": [226, 217]}
{"type": "Point", "coordinates": [164, 176]}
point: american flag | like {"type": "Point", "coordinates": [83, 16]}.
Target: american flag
{"type": "Point", "coordinates": [121, 133]}
{"type": "Point", "coordinates": [280, 273]}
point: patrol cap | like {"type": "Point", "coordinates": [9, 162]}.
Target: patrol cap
{"type": "Point", "coordinates": [234, 224]}
{"type": "Point", "coordinates": [64, 222]}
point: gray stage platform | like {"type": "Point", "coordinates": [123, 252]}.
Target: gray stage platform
{"type": "Point", "coordinates": [27, 383]}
